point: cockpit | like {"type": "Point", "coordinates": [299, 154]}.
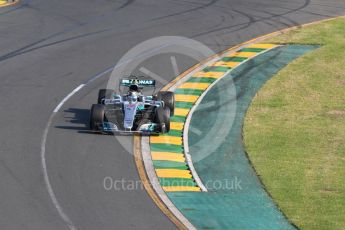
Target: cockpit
{"type": "Point", "coordinates": [134, 94]}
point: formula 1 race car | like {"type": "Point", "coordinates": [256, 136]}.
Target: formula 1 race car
{"type": "Point", "coordinates": [132, 112]}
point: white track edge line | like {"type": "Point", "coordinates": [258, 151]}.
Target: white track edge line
{"type": "Point", "coordinates": [68, 97]}
{"type": "Point", "coordinates": [49, 188]}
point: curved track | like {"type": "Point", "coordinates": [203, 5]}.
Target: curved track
{"type": "Point", "coordinates": [48, 48]}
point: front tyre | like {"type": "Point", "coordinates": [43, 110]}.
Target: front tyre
{"type": "Point", "coordinates": [169, 100]}
{"type": "Point", "coordinates": [163, 117]}
{"type": "Point", "coordinates": [97, 116]}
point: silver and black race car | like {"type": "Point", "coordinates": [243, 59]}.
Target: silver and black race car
{"type": "Point", "coordinates": [132, 112]}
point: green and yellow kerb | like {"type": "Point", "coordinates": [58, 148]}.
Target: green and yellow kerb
{"type": "Point", "coordinates": [167, 150]}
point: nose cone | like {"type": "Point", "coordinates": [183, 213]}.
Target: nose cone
{"type": "Point", "coordinates": [130, 111]}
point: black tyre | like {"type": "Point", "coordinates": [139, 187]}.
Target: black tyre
{"type": "Point", "coordinates": [97, 116]}
{"type": "Point", "coordinates": [163, 117]}
{"type": "Point", "coordinates": [104, 93]}
{"type": "Point", "coordinates": [169, 100]}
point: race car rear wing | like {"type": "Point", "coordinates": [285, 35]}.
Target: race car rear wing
{"type": "Point", "coordinates": [140, 82]}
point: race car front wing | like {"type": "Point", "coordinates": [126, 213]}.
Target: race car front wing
{"type": "Point", "coordinates": [149, 128]}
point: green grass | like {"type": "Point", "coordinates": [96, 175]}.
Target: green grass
{"type": "Point", "coordinates": [295, 130]}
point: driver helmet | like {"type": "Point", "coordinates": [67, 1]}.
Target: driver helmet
{"type": "Point", "coordinates": [134, 88]}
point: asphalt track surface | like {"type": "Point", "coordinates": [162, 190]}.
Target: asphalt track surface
{"type": "Point", "coordinates": [47, 48]}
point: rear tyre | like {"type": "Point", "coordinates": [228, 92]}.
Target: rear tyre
{"type": "Point", "coordinates": [163, 117]}
{"type": "Point", "coordinates": [97, 116]}
{"type": "Point", "coordinates": [104, 94]}
{"type": "Point", "coordinates": [169, 100]}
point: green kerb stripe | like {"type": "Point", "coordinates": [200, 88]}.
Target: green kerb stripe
{"type": "Point", "coordinates": [183, 105]}
{"type": "Point", "coordinates": [234, 59]}
{"type": "Point", "coordinates": [174, 133]}
{"type": "Point", "coordinates": [177, 182]}
{"type": "Point", "coordinates": [197, 92]}
{"type": "Point", "coordinates": [255, 50]}
{"type": "Point", "coordinates": [216, 69]}
{"type": "Point", "coordinates": [178, 119]}
{"type": "Point", "coordinates": [166, 148]}
{"type": "Point", "coordinates": [170, 165]}
{"type": "Point", "coordinates": [201, 79]}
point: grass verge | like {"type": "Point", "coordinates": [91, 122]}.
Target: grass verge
{"type": "Point", "coordinates": [294, 131]}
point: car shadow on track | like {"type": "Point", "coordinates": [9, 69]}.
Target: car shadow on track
{"type": "Point", "coordinates": [78, 119]}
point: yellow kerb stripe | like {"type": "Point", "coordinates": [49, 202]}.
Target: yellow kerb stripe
{"type": "Point", "coordinates": [262, 46]}
{"type": "Point", "coordinates": [209, 74]}
{"type": "Point", "coordinates": [173, 173]}
{"type": "Point", "coordinates": [226, 64]}
{"type": "Point", "coordinates": [166, 156]}
{"type": "Point", "coordinates": [176, 125]}
{"type": "Point", "coordinates": [186, 98]}
{"type": "Point", "coordinates": [166, 140]}
{"type": "Point", "coordinates": [194, 85]}
{"type": "Point", "coordinates": [181, 189]}
{"type": "Point", "coordinates": [181, 112]}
